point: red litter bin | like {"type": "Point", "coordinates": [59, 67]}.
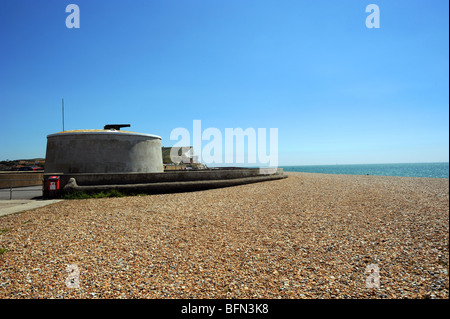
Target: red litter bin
{"type": "Point", "coordinates": [53, 183]}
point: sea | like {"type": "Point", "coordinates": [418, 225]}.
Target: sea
{"type": "Point", "coordinates": [434, 170]}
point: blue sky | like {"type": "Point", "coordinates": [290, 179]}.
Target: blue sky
{"type": "Point", "coordinates": [338, 92]}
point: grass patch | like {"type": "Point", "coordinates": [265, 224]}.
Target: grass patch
{"type": "Point", "coordinates": [3, 250]}
{"type": "Point", "coordinates": [87, 195]}
{"type": "Point", "coordinates": [110, 193]}
{"type": "Point", "coordinates": [77, 195]}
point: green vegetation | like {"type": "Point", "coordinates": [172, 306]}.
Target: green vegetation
{"type": "Point", "coordinates": [87, 195]}
{"type": "Point", "coordinates": [3, 250]}
{"type": "Point", "coordinates": [77, 195]}
{"type": "Point", "coordinates": [4, 230]}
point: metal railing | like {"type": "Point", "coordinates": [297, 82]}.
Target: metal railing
{"type": "Point", "coordinates": [12, 188]}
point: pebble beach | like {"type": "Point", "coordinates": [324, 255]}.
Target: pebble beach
{"type": "Point", "coordinates": [308, 236]}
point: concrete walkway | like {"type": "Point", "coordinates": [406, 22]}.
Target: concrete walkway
{"type": "Point", "coordinates": [19, 205]}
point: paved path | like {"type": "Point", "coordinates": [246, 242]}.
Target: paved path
{"type": "Point", "coordinates": [23, 198]}
{"type": "Point", "coordinates": [19, 205]}
{"type": "Point", "coordinates": [30, 192]}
